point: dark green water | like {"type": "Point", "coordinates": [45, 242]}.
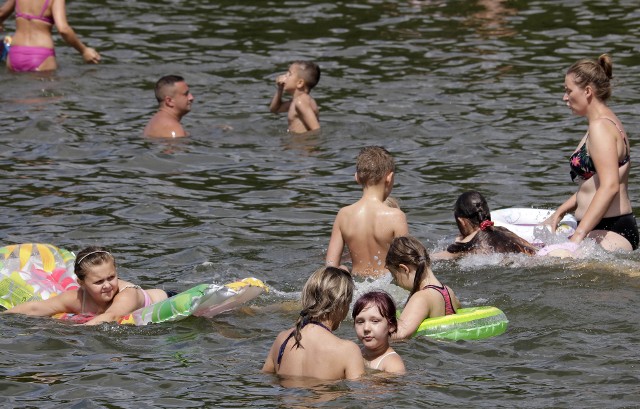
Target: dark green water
{"type": "Point", "coordinates": [466, 94]}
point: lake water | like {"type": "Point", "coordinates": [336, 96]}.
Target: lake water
{"type": "Point", "coordinates": [465, 94]}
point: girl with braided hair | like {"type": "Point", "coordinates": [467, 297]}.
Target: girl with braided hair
{"type": "Point", "coordinates": [310, 349]}
{"type": "Point", "coordinates": [410, 265]}
{"type": "Point", "coordinates": [478, 235]}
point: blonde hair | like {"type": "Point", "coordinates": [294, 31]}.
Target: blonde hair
{"type": "Point", "coordinates": [326, 295]}
{"type": "Point", "coordinates": [373, 164]}
{"type": "Point", "coordinates": [598, 74]}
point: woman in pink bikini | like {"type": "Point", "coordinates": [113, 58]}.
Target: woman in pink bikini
{"type": "Point", "coordinates": [101, 293]}
{"type": "Point", "coordinates": [32, 45]}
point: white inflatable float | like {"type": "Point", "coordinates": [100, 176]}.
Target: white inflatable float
{"type": "Point", "coordinates": [526, 223]}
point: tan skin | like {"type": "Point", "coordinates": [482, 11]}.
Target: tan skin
{"type": "Point", "coordinates": [324, 356]}
{"type": "Point", "coordinates": [423, 304]}
{"type": "Point", "coordinates": [176, 103]}
{"type": "Point", "coordinates": [37, 33]}
{"type": "Point", "coordinates": [103, 296]}
{"type": "Point", "coordinates": [367, 227]}
{"type": "Point", "coordinates": [604, 194]}
{"type": "Point", "coordinates": [302, 110]}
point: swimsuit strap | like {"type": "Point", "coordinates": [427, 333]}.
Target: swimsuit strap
{"type": "Point", "coordinates": [147, 297]}
{"type": "Point", "coordinates": [624, 138]}
{"type": "Point", "coordinates": [83, 294]}
{"type": "Point", "coordinates": [383, 357]}
{"type": "Point", "coordinates": [44, 8]}
{"type": "Point", "coordinates": [284, 344]}
{"type": "Point", "coordinates": [444, 292]}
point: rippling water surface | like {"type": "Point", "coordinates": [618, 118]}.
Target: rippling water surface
{"type": "Point", "coordinates": [466, 94]}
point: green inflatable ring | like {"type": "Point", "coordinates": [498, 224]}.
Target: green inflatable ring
{"type": "Point", "coordinates": [467, 323]}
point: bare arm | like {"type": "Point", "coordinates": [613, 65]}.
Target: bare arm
{"type": "Point", "coordinates": [5, 11]}
{"type": "Point", "coordinates": [354, 363]}
{"type": "Point", "coordinates": [394, 364]}
{"type": "Point", "coordinates": [306, 113]}
{"type": "Point", "coordinates": [269, 366]}
{"type": "Point", "coordinates": [59, 12]}
{"type": "Point", "coordinates": [604, 153]}
{"type": "Point", "coordinates": [416, 310]}
{"type": "Point", "coordinates": [454, 299]}
{"type": "Point", "coordinates": [568, 206]}
{"type": "Point", "coordinates": [401, 228]}
{"type": "Point", "coordinates": [49, 307]}
{"type": "Point", "coordinates": [125, 302]}
{"type": "Point", "coordinates": [336, 245]}
{"type": "Point", "coordinates": [277, 105]}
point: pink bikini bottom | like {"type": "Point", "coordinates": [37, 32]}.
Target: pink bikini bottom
{"type": "Point", "coordinates": [26, 58]}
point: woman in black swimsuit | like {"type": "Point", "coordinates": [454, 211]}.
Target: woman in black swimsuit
{"type": "Point", "coordinates": [601, 163]}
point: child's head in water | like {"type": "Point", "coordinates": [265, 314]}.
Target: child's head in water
{"type": "Point", "coordinates": [409, 263]}
{"type": "Point", "coordinates": [470, 210]}
{"type": "Point", "coordinates": [302, 75]}
{"type": "Point", "coordinates": [373, 164]}
{"type": "Point", "coordinates": [374, 318]}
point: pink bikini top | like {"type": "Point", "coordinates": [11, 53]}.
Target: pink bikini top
{"type": "Point", "coordinates": [41, 17]}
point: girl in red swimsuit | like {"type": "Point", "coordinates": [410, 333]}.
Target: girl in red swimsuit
{"type": "Point", "coordinates": [410, 265]}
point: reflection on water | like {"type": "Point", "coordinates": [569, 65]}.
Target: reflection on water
{"type": "Point", "coordinates": [466, 95]}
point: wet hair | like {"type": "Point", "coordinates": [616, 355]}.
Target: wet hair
{"type": "Point", "coordinates": [473, 207]}
{"type": "Point", "coordinates": [310, 73]}
{"type": "Point", "coordinates": [90, 257]}
{"type": "Point", "coordinates": [383, 302]}
{"type": "Point", "coordinates": [409, 251]}
{"type": "Point", "coordinates": [326, 295]}
{"type": "Point", "coordinates": [392, 202]}
{"type": "Point", "coordinates": [373, 164]}
{"type": "Point", "coordinates": [490, 239]}
{"type": "Point", "coordinates": [162, 85]}
{"type": "Point", "coordinates": [596, 73]}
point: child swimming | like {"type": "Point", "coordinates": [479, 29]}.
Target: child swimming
{"type": "Point", "coordinates": [374, 319]}
{"type": "Point", "coordinates": [101, 292]}
{"type": "Point", "coordinates": [410, 266]}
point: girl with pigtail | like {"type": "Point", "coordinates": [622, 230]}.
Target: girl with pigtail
{"type": "Point", "coordinates": [310, 349]}
{"type": "Point", "coordinates": [478, 235]}
{"type": "Point", "coordinates": [410, 265]}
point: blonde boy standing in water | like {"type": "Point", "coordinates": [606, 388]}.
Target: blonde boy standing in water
{"type": "Point", "coordinates": [302, 110]}
{"type": "Point", "coordinates": [368, 226]}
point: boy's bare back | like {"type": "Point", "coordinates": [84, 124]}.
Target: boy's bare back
{"type": "Point", "coordinates": [367, 227]}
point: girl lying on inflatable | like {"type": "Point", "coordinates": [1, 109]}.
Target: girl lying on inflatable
{"type": "Point", "coordinates": [102, 295]}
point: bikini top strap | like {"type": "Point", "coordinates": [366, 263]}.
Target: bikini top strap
{"type": "Point", "coordinates": [44, 7]}
{"type": "Point", "coordinates": [284, 344]}
{"type": "Point", "coordinates": [83, 293]}
{"type": "Point", "coordinates": [383, 357]}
